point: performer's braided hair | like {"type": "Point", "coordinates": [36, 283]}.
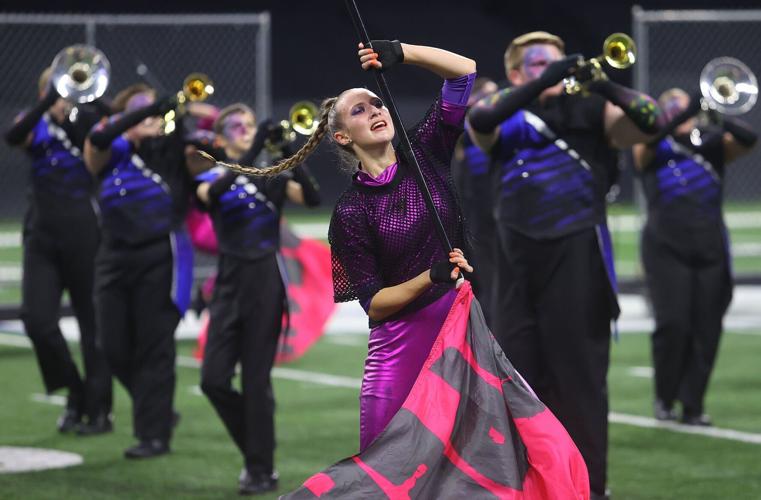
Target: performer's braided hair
{"type": "Point", "coordinates": [328, 122]}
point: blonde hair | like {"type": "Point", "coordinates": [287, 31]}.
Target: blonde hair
{"type": "Point", "coordinates": [514, 51]}
{"type": "Point", "coordinates": [329, 122]}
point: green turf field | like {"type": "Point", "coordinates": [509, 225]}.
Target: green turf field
{"type": "Point", "coordinates": [317, 424]}
{"type": "Point", "coordinates": [624, 225]}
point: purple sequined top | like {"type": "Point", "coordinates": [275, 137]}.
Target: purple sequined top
{"type": "Point", "coordinates": [381, 233]}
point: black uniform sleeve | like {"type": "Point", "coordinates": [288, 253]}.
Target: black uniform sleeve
{"type": "Point", "coordinates": [17, 134]}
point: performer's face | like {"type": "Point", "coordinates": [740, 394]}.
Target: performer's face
{"type": "Point", "coordinates": [365, 119]}
{"type": "Point", "coordinates": [536, 58]}
{"type": "Point", "coordinates": [238, 131]}
{"type": "Point", "coordinates": [675, 105]}
{"type": "Point", "coordinates": [149, 127]}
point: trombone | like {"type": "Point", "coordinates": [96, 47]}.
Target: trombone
{"type": "Point", "coordinates": [80, 73]}
{"type": "Point", "coordinates": [302, 120]}
{"type": "Point", "coordinates": [618, 51]}
{"type": "Point", "coordinates": [197, 87]}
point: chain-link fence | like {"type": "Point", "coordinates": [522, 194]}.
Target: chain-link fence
{"type": "Point", "coordinates": [673, 47]}
{"type": "Point", "coordinates": [234, 50]}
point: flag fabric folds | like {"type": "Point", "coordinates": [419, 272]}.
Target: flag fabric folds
{"type": "Point", "coordinates": [470, 428]}
{"type": "Point", "coordinates": [309, 291]}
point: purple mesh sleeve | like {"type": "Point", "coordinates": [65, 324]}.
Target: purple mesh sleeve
{"type": "Point", "coordinates": [355, 268]}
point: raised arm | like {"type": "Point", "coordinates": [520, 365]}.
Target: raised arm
{"type": "Point", "coordinates": [644, 152]}
{"type": "Point", "coordinates": [98, 143]}
{"type": "Point", "coordinates": [485, 117]}
{"type": "Point", "coordinates": [383, 54]}
{"type": "Point", "coordinates": [20, 133]}
{"type": "Point", "coordinates": [631, 116]}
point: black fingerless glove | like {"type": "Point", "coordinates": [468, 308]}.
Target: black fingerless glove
{"type": "Point", "coordinates": [20, 130]}
{"type": "Point", "coordinates": [562, 68]}
{"type": "Point", "coordinates": [484, 118]}
{"type": "Point", "coordinates": [441, 272]}
{"type": "Point", "coordinates": [389, 52]}
{"type": "Point", "coordinates": [103, 138]}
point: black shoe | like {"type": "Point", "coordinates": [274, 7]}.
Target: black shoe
{"type": "Point", "coordinates": [600, 496]}
{"type": "Point", "coordinates": [663, 411]}
{"type": "Point", "coordinates": [148, 448]}
{"type": "Point", "coordinates": [700, 419]}
{"type": "Point", "coordinates": [100, 424]}
{"type": "Point", "coordinates": [69, 421]}
{"type": "Point", "coordinates": [254, 484]}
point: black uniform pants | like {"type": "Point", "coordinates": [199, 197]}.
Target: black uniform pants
{"type": "Point", "coordinates": [138, 318]}
{"type": "Point", "coordinates": [553, 322]}
{"type": "Point", "coordinates": [690, 289]}
{"type": "Point", "coordinates": [246, 315]}
{"type": "Point", "coordinates": [57, 258]}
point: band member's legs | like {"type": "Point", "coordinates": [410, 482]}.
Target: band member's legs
{"type": "Point", "coordinates": [113, 321]}
{"type": "Point", "coordinates": [155, 317]}
{"type": "Point", "coordinates": [262, 324]}
{"type": "Point", "coordinates": [670, 283]}
{"type": "Point", "coordinates": [78, 255]}
{"type": "Point", "coordinates": [573, 314]}
{"type": "Point", "coordinates": [710, 305]}
{"type": "Point", "coordinates": [42, 288]}
{"type": "Point", "coordinates": [222, 352]}
{"type": "Point", "coordinates": [514, 317]}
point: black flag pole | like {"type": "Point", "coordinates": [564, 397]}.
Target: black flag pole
{"type": "Point", "coordinates": [406, 147]}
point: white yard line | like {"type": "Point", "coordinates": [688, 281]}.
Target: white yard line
{"type": "Point", "coordinates": [293, 374]}
{"type": "Point", "coordinates": [49, 399]}
{"type": "Point", "coordinates": [355, 383]}
{"type": "Point", "coordinates": [640, 371]}
{"type": "Point", "coordinates": [714, 432]}
{"type": "Point", "coordinates": [14, 340]}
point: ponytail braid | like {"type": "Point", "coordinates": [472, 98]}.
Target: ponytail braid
{"type": "Point", "coordinates": [294, 160]}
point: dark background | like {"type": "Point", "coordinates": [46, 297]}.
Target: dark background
{"type": "Point", "coordinates": [313, 42]}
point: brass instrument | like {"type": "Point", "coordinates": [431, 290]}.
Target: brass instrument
{"type": "Point", "coordinates": [618, 51]}
{"type": "Point", "coordinates": [197, 87]}
{"type": "Point", "coordinates": [80, 73]}
{"type": "Point", "coordinates": [728, 86]}
{"type": "Point", "coordinates": [302, 119]}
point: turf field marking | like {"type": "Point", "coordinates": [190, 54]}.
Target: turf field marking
{"type": "Point", "coordinates": [292, 374]}
{"type": "Point", "coordinates": [15, 459]}
{"type": "Point", "coordinates": [316, 378]}
{"type": "Point", "coordinates": [49, 399]}
{"type": "Point", "coordinates": [14, 340]}
{"type": "Point", "coordinates": [355, 383]}
{"type": "Point", "coordinates": [641, 371]}
{"type": "Point", "coordinates": [347, 340]}
{"type": "Point", "coordinates": [714, 432]}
